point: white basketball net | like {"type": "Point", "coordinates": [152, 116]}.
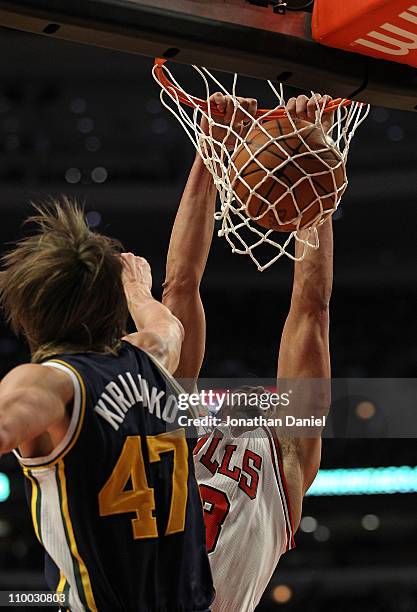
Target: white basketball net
{"type": "Point", "coordinates": [244, 234]}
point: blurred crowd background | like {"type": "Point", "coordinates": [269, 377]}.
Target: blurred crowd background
{"type": "Point", "coordinates": [88, 122]}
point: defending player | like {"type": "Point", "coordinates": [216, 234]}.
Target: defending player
{"type": "Point", "coordinates": [252, 484]}
{"type": "Point", "coordinates": [112, 489]}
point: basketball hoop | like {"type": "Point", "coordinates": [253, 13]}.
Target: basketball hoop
{"type": "Point", "coordinates": [317, 160]}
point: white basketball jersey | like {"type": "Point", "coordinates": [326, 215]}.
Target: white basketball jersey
{"type": "Point", "coordinates": [246, 512]}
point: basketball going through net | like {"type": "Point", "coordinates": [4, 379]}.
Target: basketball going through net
{"type": "Point", "coordinates": [280, 176]}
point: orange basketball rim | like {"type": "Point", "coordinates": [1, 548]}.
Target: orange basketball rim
{"type": "Point", "coordinates": [189, 100]}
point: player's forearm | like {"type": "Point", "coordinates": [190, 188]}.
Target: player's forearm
{"type": "Point", "coordinates": [313, 276]}
{"type": "Point", "coordinates": [151, 316]}
{"type": "Point", "coordinates": [187, 256]}
{"type": "Point", "coordinates": [304, 349]}
{"type": "Point", "coordinates": [304, 369]}
{"type": "Point", "coordinates": [193, 230]}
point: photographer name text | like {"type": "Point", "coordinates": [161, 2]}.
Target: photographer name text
{"type": "Point", "coordinates": [256, 421]}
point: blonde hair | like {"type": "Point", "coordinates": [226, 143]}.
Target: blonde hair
{"type": "Point", "coordinates": [62, 286]}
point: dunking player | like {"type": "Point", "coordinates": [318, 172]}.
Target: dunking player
{"type": "Point", "coordinates": [113, 494]}
{"type": "Point", "coordinates": [252, 483]}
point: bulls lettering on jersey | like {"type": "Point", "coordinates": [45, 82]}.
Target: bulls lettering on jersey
{"type": "Point", "coordinates": [246, 512]}
{"type": "Point", "coordinates": [116, 505]}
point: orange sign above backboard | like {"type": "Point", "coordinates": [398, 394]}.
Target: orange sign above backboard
{"type": "Point", "coordinates": [379, 28]}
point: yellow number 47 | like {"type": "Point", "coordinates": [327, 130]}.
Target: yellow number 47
{"type": "Point", "coordinates": [114, 498]}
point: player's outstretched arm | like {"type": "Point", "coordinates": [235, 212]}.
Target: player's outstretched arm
{"type": "Point", "coordinates": [186, 261]}
{"type": "Point", "coordinates": [159, 333]}
{"type": "Point", "coordinates": [304, 351]}
{"type": "Point", "coordinates": [190, 244]}
{"type": "Point", "coordinates": [33, 400]}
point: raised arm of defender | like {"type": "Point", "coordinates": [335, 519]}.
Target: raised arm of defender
{"type": "Point", "coordinates": [159, 333]}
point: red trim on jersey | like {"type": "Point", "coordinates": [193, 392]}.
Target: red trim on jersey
{"type": "Point", "coordinates": [281, 493]}
{"type": "Point", "coordinates": [284, 481]}
{"type": "Point", "coordinates": [282, 488]}
{"type": "Point", "coordinates": [200, 443]}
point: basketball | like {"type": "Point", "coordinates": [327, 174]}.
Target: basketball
{"type": "Point", "coordinates": [287, 179]}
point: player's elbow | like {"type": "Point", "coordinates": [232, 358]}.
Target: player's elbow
{"type": "Point", "coordinates": [168, 354]}
{"type": "Point", "coordinates": [322, 399]}
{"type": "Point", "coordinates": [312, 299]}
{"type": "Point", "coordinates": [181, 285]}
{"type": "Point", "coordinates": [313, 308]}
{"type": "Point", "coordinates": [167, 350]}
{"type": "Point", "coordinates": [176, 340]}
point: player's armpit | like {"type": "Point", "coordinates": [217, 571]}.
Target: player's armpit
{"type": "Point", "coordinates": [33, 399]}
{"type": "Point", "coordinates": [309, 452]}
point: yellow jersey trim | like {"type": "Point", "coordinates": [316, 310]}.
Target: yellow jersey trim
{"type": "Point", "coordinates": [61, 584]}
{"type": "Point", "coordinates": [33, 502]}
{"type": "Point", "coordinates": [85, 578]}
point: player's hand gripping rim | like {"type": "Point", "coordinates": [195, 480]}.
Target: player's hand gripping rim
{"type": "Point", "coordinates": [234, 124]}
{"type": "Point", "coordinates": [311, 110]}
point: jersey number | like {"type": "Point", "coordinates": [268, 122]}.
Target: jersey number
{"type": "Point", "coordinates": [115, 498]}
{"type": "Point", "coordinates": [216, 507]}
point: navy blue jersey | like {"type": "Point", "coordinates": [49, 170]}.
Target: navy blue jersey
{"type": "Point", "coordinates": [116, 505]}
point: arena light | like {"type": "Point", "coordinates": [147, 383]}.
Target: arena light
{"type": "Point", "coordinates": [308, 524]}
{"type": "Point", "coordinates": [282, 594]}
{"type": "Point", "coordinates": [4, 487]}
{"type": "Point", "coordinates": [365, 481]}
{"type": "Point", "coordinates": [370, 522]}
